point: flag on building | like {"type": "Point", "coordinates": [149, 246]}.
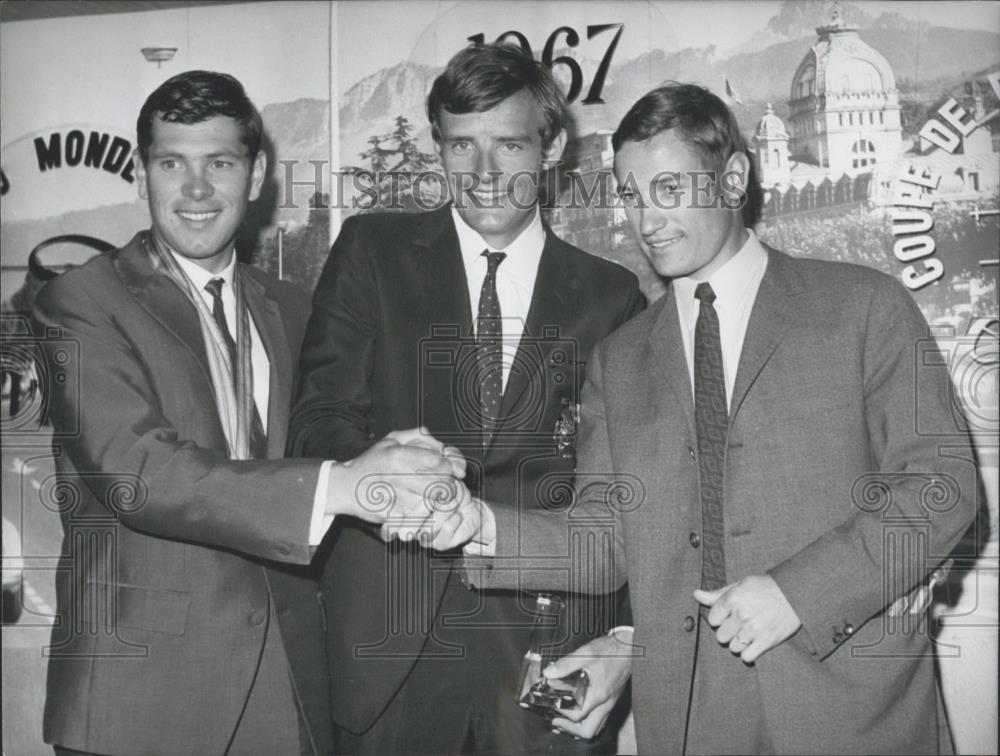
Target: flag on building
{"type": "Point", "coordinates": [731, 92]}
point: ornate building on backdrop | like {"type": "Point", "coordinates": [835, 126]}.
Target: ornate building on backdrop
{"type": "Point", "coordinates": [844, 140]}
{"type": "Point", "coordinates": [843, 147]}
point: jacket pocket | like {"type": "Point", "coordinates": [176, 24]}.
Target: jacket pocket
{"type": "Point", "coordinates": [155, 609]}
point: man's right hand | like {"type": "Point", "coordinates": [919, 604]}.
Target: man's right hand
{"type": "Point", "coordinates": [400, 476]}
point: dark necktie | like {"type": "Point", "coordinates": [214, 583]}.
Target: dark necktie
{"type": "Point", "coordinates": [489, 346]}
{"type": "Point", "coordinates": [712, 423]}
{"type": "Point", "coordinates": [258, 438]}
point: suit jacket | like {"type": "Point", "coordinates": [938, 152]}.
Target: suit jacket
{"type": "Point", "coordinates": [171, 550]}
{"type": "Point", "coordinates": [847, 478]}
{"type": "Point", "coordinates": [391, 345]}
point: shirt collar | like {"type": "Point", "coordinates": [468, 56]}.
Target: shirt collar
{"type": "Point", "coordinates": [523, 254]}
{"type": "Point", "coordinates": [729, 281]}
{"type": "Point", "coordinates": [199, 276]}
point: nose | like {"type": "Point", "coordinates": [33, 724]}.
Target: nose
{"type": "Point", "coordinates": [197, 186]}
{"type": "Point", "coordinates": [651, 219]}
{"type": "Point", "coordinates": [486, 165]}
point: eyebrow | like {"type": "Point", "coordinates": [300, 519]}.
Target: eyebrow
{"type": "Point", "coordinates": [154, 153]}
{"type": "Point", "coordinates": [511, 138]}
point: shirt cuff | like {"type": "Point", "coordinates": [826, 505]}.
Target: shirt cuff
{"type": "Point", "coordinates": [484, 543]}
{"type": "Point", "coordinates": [321, 521]}
{"type": "Point", "coordinates": [618, 633]}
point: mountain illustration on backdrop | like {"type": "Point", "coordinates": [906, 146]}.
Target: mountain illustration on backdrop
{"type": "Point", "coordinates": [923, 57]}
{"type": "Point", "coordinates": [927, 60]}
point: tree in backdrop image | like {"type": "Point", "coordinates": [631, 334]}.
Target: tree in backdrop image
{"type": "Point", "coordinates": [400, 177]}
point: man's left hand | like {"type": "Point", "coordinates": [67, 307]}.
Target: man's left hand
{"type": "Point", "coordinates": [752, 616]}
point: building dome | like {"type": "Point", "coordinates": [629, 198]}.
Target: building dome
{"type": "Point", "coordinates": [842, 66]}
{"type": "Point", "coordinates": [844, 108]}
{"type": "Point", "coordinates": [770, 126]}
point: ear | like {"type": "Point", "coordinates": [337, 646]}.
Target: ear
{"type": "Point", "coordinates": [140, 174]}
{"type": "Point", "coordinates": [738, 167]}
{"type": "Point", "coordinates": [554, 151]}
{"type": "Point", "coordinates": [735, 178]}
{"type": "Point", "coordinates": [258, 172]}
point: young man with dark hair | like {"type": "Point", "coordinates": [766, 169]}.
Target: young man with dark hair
{"type": "Point", "coordinates": [177, 506]}
{"type": "Point", "coordinates": [788, 442]}
{"type": "Point", "coordinates": [472, 320]}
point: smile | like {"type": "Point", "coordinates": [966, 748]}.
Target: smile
{"type": "Point", "coordinates": [666, 242]}
{"type": "Point", "coordinates": [204, 216]}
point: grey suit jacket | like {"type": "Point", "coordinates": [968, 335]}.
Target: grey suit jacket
{"type": "Point", "coordinates": [848, 477]}
{"type": "Point", "coordinates": [171, 550]}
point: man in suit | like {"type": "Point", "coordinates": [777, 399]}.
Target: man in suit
{"type": "Point", "coordinates": [472, 320]}
{"type": "Point", "coordinates": [186, 533]}
{"type": "Point", "coordinates": [772, 461]}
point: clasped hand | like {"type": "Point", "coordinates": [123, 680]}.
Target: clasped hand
{"type": "Point", "coordinates": [411, 484]}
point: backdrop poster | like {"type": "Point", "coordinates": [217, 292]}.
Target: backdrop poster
{"type": "Point", "coordinates": [874, 126]}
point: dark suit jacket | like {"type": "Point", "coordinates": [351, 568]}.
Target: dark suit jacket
{"type": "Point", "coordinates": [847, 479]}
{"type": "Point", "coordinates": [165, 578]}
{"type": "Point", "coordinates": [390, 345]}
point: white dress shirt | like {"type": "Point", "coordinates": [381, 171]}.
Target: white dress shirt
{"type": "Point", "coordinates": [515, 277]}
{"type": "Point", "coordinates": [735, 285]}
{"type": "Point", "coordinates": [261, 365]}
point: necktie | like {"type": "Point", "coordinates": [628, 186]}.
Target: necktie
{"type": "Point", "coordinates": [712, 423]}
{"type": "Point", "coordinates": [258, 438]}
{"type": "Point", "coordinates": [489, 346]}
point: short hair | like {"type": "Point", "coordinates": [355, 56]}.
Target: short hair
{"type": "Point", "coordinates": [704, 122]}
{"type": "Point", "coordinates": [480, 77]}
{"type": "Point", "coordinates": [194, 97]}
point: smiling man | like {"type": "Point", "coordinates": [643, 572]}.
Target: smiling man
{"type": "Point", "coordinates": [784, 427]}
{"type": "Point", "coordinates": [473, 320]}
{"type": "Point", "coordinates": [171, 431]}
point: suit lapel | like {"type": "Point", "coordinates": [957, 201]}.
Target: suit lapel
{"type": "Point", "coordinates": [772, 315]}
{"type": "Point", "coordinates": [668, 346]}
{"type": "Point", "coordinates": [439, 270]}
{"type": "Point", "coordinates": [442, 323]}
{"type": "Point", "coordinates": [267, 318]}
{"type": "Point", "coordinates": [163, 300]}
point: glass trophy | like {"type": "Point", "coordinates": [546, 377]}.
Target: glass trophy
{"type": "Point", "coordinates": [548, 633]}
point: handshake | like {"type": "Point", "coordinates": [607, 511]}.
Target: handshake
{"type": "Point", "coordinates": [410, 484]}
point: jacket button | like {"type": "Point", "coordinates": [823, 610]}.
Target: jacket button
{"type": "Point", "coordinates": [848, 629]}
{"type": "Point", "coordinates": [694, 539]}
{"type": "Point", "coordinates": [689, 623]}
{"type": "Point", "coordinates": [838, 637]}
{"type": "Point", "coordinates": [691, 452]}
{"type": "Point", "coordinates": [256, 618]}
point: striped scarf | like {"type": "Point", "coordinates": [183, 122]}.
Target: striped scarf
{"type": "Point", "coordinates": [233, 398]}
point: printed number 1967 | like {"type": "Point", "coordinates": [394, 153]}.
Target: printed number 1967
{"type": "Point", "coordinates": [572, 40]}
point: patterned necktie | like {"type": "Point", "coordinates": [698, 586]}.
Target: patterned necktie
{"type": "Point", "coordinates": [489, 346]}
{"type": "Point", "coordinates": [258, 438]}
{"type": "Point", "coordinates": [712, 423]}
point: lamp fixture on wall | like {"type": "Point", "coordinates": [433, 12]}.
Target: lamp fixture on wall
{"type": "Point", "coordinates": [158, 54]}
